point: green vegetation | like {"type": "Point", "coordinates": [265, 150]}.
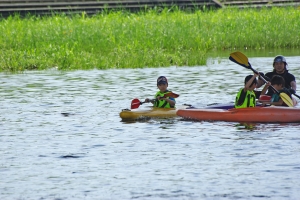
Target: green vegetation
{"type": "Point", "coordinates": [146, 39]}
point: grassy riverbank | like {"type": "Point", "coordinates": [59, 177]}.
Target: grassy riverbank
{"type": "Point", "coordinates": [145, 39]}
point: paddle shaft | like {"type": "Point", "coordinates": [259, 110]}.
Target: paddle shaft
{"type": "Point", "coordinates": [151, 100]}
{"type": "Point", "coordinates": [140, 103]}
{"type": "Point", "coordinates": [135, 103]}
{"type": "Point", "coordinates": [297, 95]}
{"type": "Point", "coordinates": [262, 78]}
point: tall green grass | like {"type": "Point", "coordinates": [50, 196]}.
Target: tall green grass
{"type": "Point", "coordinates": [146, 39]}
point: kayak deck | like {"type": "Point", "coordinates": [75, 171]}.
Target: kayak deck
{"type": "Point", "coordinates": [273, 114]}
{"type": "Point", "coordinates": [152, 112]}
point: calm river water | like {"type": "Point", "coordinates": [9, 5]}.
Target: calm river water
{"type": "Point", "coordinates": [91, 154]}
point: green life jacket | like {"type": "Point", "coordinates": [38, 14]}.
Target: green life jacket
{"type": "Point", "coordinates": [249, 101]}
{"type": "Point", "coordinates": [162, 103]}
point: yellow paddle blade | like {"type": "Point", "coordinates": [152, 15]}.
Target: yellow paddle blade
{"type": "Point", "coordinates": [240, 58]}
{"type": "Point", "coordinates": [286, 99]}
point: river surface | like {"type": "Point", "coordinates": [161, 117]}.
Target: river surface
{"type": "Point", "coordinates": [92, 154]}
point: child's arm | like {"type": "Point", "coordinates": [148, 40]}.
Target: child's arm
{"type": "Point", "coordinates": [247, 85]}
{"type": "Point", "coordinates": [278, 103]}
{"type": "Point", "coordinates": [264, 90]}
{"type": "Point", "coordinates": [170, 101]}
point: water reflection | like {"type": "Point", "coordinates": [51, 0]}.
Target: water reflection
{"type": "Point", "coordinates": [246, 126]}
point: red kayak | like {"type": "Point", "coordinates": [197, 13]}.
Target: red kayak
{"type": "Point", "coordinates": [272, 114]}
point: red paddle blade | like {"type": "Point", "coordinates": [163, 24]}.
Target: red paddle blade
{"type": "Point", "coordinates": [135, 103]}
{"type": "Point", "coordinates": [171, 94]}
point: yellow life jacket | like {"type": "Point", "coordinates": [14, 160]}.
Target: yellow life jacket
{"type": "Point", "coordinates": [162, 103]}
{"type": "Point", "coordinates": [249, 101]}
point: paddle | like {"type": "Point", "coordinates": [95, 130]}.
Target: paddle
{"type": "Point", "coordinates": [135, 103]}
{"type": "Point", "coordinates": [240, 59]}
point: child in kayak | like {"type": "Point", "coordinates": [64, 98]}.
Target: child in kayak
{"type": "Point", "coordinates": [246, 96]}
{"type": "Point", "coordinates": [160, 100]}
{"type": "Point", "coordinates": [278, 83]}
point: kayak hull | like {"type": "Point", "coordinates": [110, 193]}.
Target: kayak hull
{"type": "Point", "coordinates": [271, 114]}
{"type": "Point", "coordinates": [152, 112]}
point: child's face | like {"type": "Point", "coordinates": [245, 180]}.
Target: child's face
{"type": "Point", "coordinates": [162, 87]}
{"type": "Point", "coordinates": [278, 87]}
